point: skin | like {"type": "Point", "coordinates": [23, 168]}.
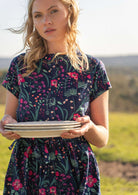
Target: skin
{"type": "Point", "coordinates": [94, 128]}
{"type": "Point", "coordinates": [51, 15]}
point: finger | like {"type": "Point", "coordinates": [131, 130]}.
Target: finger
{"type": "Point", "coordinates": [68, 136]}
{"type": "Point", "coordinates": [10, 135]}
{"type": "Point", "coordinates": [73, 133]}
{"type": "Point", "coordinates": [14, 136]}
{"type": "Point", "coordinates": [84, 119]}
{"type": "Point", "coordinates": [80, 131]}
{"type": "Point", "coordinates": [7, 119]}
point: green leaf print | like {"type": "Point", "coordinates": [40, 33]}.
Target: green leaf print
{"type": "Point", "coordinates": [47, 79]}
{"type": "Point", "coordinates": [61, 111]}
{"type": "Point", "coordinates": [39, 67]}
{"type": "Point", "coordinates": [12, 192]}
{"type": "Point", "coordinates": [36, 155]}
{"type": "Point", "coordinates": [71, 92]}
{"type": "Point", "coordinates": [66, 114]}
{"type": "Point", "coordinates": [61, 168]}
{"type": "Point", "coordinates": [74, 162]}
{"type": "Point", "coordinates": [59, 103]}
{"type": "Point", "coordinates": [25, 95]}
{"type": "Point", "coordinates": [59, 156]}
{"type": "Point", "coordinates": [52, 156]}
{"type": "Point", "coordinates": [45, 183]}
{"type": "Point", "coordinates": [82, 85]}
{"type": "Point", "coordinates": [66, 167]}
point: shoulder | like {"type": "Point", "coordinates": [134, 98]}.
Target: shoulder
{"type": "Point", "coordinates": [95, 63]}
{"type": "Point", "coordinates": [18, 59]}
{"type": "Point", "coordinates": [92, 59]}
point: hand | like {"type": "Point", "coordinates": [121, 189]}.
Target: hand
{"type": "Point", "coordinates": [9, 135]}
{"type": "Point", "coordinates": [86, 124]}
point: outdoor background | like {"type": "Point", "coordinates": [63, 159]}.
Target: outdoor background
{"type": "Point", "coordinates": [109, 31]}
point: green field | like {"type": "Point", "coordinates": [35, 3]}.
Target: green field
{"type": "Point", "coordinates": [122, 147]}
{"type": "Point", "coordinates": [123, 141]}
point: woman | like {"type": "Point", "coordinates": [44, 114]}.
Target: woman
{"type": "Point", "coordinates": [55, 80]}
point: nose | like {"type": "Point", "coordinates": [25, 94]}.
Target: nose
{"type": "Point", "coordinates": [47, 20]}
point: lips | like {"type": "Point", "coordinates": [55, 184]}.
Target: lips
{"type": "Point", "coordinates": [49, 30]}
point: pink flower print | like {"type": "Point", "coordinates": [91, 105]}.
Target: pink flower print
{"type": "Point", "coordinates": [17, 184]}
{"type": "Point", "coordinates": [91, 181]}
{"type": "Point", "coordinates": [56, 152]}
{"type": "Point", "coordinates": [28, 152]}
{"type": "Point", "coordinates": [57, 173]}
{"type": "Point", "coordinates": [4, 82]}
{"type": "Point", "coordinates": [53, 190]}
{"type": "Point", "coordinates": [20, 79]}
{"type": "Point", "coordinates": [73, 75]}
{"type": "Point", "coordinates": [75, 116]}
{"type": "Point", "coordinates": [9, 179]}
{"type": "Point", "coordinates": [54, 83]}
{"type": "Point", "coordinates": [42, 191]}
{"type": "Point", "coordinates": [30, 173]}
{"type": "Point", "coordinates": [34, 73]}
{"type": "Point", "coordinates": [89, 149]}
{"type": "Point", "coordinates": [46, 150]}
{"type": "Point", "coordinates": [89, 76]}
{"type": "Point", "coordinates": [108, 83]}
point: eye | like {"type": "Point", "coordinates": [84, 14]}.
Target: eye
{"type": "Point", "coordinates": [54, 11]}
{"type": "Point", "coordinates": [37, 16]}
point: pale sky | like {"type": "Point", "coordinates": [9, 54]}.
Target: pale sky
{"type": "Point", "coordinates": [107, 27]}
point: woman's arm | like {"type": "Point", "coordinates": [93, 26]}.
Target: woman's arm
{"type": "Point", "coordinates": [98, 132]}
{"type": "Point", "coordinates": [10, 115]}
{"type": "Point", "coordinates": [95, 128]}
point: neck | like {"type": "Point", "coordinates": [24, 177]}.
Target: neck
{"type": "Point", "coordinates": [57, 48]}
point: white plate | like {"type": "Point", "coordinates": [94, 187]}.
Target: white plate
{"type": "Point", "coordinates": [41, 127]}
{"type": "Point", "coordinates": [42, 124]}
{"type": "Point", "coordinates": [39, 134]}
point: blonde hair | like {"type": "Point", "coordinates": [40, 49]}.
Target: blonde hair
{"type": "Point", "coordinates": [37, 46]}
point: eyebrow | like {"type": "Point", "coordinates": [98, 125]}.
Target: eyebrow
{"type": "Point", "coordinates": [53, 6]}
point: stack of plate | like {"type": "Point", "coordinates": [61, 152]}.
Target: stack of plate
{"type": "Point", "coordinates": [42, 129]}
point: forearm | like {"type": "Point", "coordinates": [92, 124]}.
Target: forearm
{"type": "Point", "coordinates": [97, 135]}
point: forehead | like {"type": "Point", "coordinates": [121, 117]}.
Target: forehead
{"type": "Point", "coordinates": [45, 4]}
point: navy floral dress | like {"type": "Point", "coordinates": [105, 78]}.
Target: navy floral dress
{"type": "Point", "coordinates": [54, 91]}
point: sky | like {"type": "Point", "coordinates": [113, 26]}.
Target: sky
{"type": "Point", "coordinates": [107, 27]}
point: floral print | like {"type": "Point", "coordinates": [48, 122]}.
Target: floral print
{"type": "Point", "coordinates": [20, 79]}
{"type": "Point", "coordinates": [91, 181]}
{"type": "Point", "coordinates": [17, 185]}
{"type": "Point", "coordinates": [54, 91]}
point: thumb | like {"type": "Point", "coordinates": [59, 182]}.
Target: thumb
{"type": "Point", "coordinates": [7, 119]}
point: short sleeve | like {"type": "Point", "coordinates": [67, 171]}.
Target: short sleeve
{"type": "Point", "coordinates": [11, 79]}
{"type": "Point", "coordinates": [101, 81]}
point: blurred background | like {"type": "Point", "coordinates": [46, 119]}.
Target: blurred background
{"type": "Point", "coordinates": [109, 31]}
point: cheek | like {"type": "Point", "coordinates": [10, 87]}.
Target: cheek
{"type": "Point", "coordinates": [63, 23]}
{"type": "Point", "coordinates": [38, 25]}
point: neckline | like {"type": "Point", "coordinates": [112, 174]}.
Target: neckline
{"type": "Point", "coordinates": [53, 54]}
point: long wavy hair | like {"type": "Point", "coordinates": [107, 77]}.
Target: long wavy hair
{"type": "Point", "coordinates": [37, 46]}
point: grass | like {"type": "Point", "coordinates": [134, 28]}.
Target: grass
{"type": "Point", "coordinates": [117, 186]}
{"type": "Point", "coordinates": [123, 142]}
{"type": "Point", "coordinates": [4, 153]}
{"type": "Point", "coordinates": [122, 147]}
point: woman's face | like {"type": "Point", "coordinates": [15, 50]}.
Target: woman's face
{"type": "Point", "coordinates": [50, 18]}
